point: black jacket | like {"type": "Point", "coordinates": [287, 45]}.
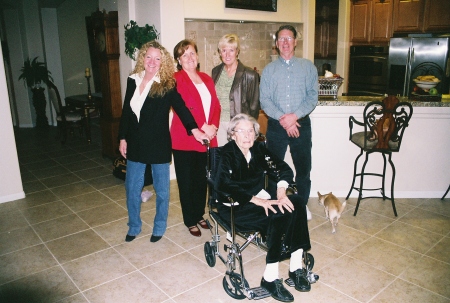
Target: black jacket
{"type": "Point", "coordinates": [244, 94]}
{"type": "Point", "coordinates": [241, 180]}
{"type": "Point", "coordinates": [148, 141]}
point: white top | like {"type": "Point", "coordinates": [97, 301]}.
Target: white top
{"type": "Point", "coordinates": [205, 95]}
{"type": "Point", "coordinates": [138, 99]}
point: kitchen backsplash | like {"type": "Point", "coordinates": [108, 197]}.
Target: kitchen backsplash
{"type": "Point", "coordinates": [256, 41]}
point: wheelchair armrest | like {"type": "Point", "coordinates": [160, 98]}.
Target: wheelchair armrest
{"type": "Point", "coordinates": [352, 120]}
{"type": "Point", "coordinates": [292, 189]}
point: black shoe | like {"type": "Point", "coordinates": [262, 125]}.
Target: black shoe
{"type": "Point", "coordinates": [277, 290]}
{"type": "Point", "coordinates": [300, 280]}
{"type": "Point", "coordinates": [155, 238]}
{"type": "Point", "coordinates": [129, 238]}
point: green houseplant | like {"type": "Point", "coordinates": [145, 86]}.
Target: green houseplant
{"type": "Point", "coordinates": [136, 36]}
{"type": "Point", "coordinates": [34, 73]}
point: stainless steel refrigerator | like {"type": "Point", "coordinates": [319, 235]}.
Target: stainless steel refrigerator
{"type": "Point", "coordinates": [412, 57]}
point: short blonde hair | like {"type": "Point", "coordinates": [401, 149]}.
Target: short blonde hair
{"type": "Point", "coordinates": [231, 40]}
{"type": "Point", "coordinates": [236, 120]}
{"type": "Point", "coordinates": [166, 71]}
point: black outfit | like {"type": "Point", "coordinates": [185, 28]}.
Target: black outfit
{"type": "Point", "coordinates": [148, 140]}
{"type": "Point", "coordinates": [241, 180]}
{"type": "Point", "coordinates": [244, 93]}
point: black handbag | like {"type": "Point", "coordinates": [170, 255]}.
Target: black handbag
{"type": "Point", "coordinates": [120, 170]}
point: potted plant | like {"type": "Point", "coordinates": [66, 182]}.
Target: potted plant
{"type": "Point", "coordinates": [136, 36]}
{"type": "Point", "coordinates": [34, 73]}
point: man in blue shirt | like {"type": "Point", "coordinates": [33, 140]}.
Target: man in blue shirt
{"type": "Point", "coordinates": [288, 94]}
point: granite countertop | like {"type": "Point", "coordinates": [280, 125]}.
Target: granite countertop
{"type": "Point", "coordinates": [363, 100]}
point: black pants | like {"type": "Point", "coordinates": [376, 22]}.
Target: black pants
{"type": "Point", "coordinates": [288, 229]}
{"type": "Point", "coordinates": [190, 169]}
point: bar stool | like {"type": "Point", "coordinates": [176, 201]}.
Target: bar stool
{"type": "Point", "coordinates": [446, 192]}
{"type": "Point", "coordinates": [384, 124]}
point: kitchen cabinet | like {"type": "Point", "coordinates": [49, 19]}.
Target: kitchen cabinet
{"type": "Point", "coordinates": [371, 21]}
{"type": "Point", "coordinates": [326, 31]}
{"type": "Point", "coordinates": [421, 16]}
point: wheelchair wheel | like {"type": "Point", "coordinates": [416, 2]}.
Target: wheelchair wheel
{"type": "Point", "coordinates": [210, 255]}
{"type": "Point", "coordinates": [234, 290]}
{"type": "Point", "coordinates": [309, 262]}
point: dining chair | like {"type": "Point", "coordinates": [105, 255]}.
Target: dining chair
{"type": "Point", "coordinates": [67, 119]}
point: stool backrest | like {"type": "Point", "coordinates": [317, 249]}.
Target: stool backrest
{"type": "Point", "coordinates": [385, 122]}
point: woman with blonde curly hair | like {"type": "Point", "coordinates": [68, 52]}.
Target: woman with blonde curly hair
{"type": "Point", "coordinates": [144, 133]}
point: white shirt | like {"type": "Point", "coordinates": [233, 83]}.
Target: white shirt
{"type": "Point", "coordinates": [205, 95]}
{"type": "Point", "coordinates": [138, 99]}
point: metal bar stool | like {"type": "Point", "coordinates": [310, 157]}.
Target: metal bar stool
{"type": "Point", "coordinates": [384, 124]}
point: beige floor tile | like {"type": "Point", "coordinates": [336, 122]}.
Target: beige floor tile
{"type": "Point", "coordinates": [427, 220]}
{"type": "Point", "coordinates": [95, 172]}
{"type": "Point", "coordinates": [10, 220]}
{"type": "Point", "coordinates": [384, 207]}
{"type": "Point", "coordinates": [320, 293]}
{"type": "Point", "coordinates": [166, 274]}
{"type": "Point", "coordinates": [60, 180]}
{"type": "Point", "coordinates": [37, 198]}
{"type": "Point", "coordinates": [323, 255]}
{"type": "Point", "coordinates": [104, 182]}
{"type": "Point", "coordinates": [60, 227]}
{"type": "Point", "coordinates": [180, 235]}
{"type": "Point", "coordinates": [409, 236]}
{"type": "Point", "coordinates": [115, 193]}
{"type": "Point", "coordinates": [33, 186]}
{"type": "Point", "coordinates": [441, 250]}
{"type": "Point", "coordinates": [175, 215]}
{"type": "Point", "coordinates": [86, 201]}
{"type": "Point", "coordinates": [410, 201]}
{"type": "Point", "coordinates": [41, 165]}
{"type": "Point", "coordinates": [385, 256]}
{"type": "Point", "coordinates": [431, 274]}
{"type": "Point", "coordinates": [77, 245]}
{"type": "Point", "coordinates": [103, 214]}
{"type": "Point", "coordinates": [80, 165]}
{"type": "Point", "coordinates": [141, 252]}
{"type": "Point", "coordinates": [25, 262]}
{"type": "Point", "coordinates": [130, 288]}
{"type": "Point", "coordinates": [343, 240]}
{"type": "Point", "coordinates": [18, 239]}
{"type": "Point", "coordinates": [401, 291]}
{"type": "Point", "coordinates": [114, 233]}
{"type": "Point", "coordinates": [438, 206]}
{"type": "Point", "coordinates": [46, 212]}
{"type": "Point", "coordinates": [72, 190]}
{"type": "Point", "coordinates": [362, 281]}
{"type": "Point", "coordinates": [8, 207]}
{"type": "Point", "coordinates": [50, 172]}
{"type": "Point", "coordinates": [70, 158]}
{"type": "Point", "coordinates": [98, 268]}
{"type": "Point", "coordinates": [77, 298]}
{"type": "Point", "coordinates": [364, 221]}
{"type": "Point", "coordinates": [27, 176]}
{"type": "Point", "coordinates": [50, 285]}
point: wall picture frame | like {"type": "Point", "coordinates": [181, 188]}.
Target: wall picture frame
{"type": "Point", "coordinates": [259, 5]}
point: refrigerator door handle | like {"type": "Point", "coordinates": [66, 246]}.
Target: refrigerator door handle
{"type": "Point", "coordinates": [408, 71]}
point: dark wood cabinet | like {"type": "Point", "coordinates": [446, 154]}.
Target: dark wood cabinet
{"type": "Point", "coordinates": [421, 16]}
{"type": "Point", "coordinates": [371, 21]}
{"type": "Point", "coordinates": [105, 31]}
{"type": "Point", "coordinates": [326, 31]}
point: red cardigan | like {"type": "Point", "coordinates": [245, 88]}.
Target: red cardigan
{"type": "Point", "coordinates": [190, 95]}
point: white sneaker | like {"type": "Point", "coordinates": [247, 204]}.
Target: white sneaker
{"type": "Point", "coordinates": [308, 214]}
{"type": "Point", "coordinates": [146, 195]}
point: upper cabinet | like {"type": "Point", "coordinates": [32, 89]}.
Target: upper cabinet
{"type": "Point", "coordinates": [421, 16]}
{"type": "Point", "coordinates": [371, 21]}
{"type": "Point", "coordinates": [325, 42]}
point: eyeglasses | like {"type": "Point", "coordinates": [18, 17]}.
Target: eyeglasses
{"type": "Point", "coordinates": [283, 39]}
{"type": "Point", "coordinates": [250, 131]}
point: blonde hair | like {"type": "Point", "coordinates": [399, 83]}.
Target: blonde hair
{"type": "Point", "coordinates": [231, 40]}
{"type": "Point", "coordinates": [165, 73]}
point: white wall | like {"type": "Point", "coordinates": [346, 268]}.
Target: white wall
{"type": "Point", "coordinates": [10, 179]}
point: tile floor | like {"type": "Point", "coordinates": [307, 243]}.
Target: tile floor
{"type": "Point", "coordinates": [65, 242]}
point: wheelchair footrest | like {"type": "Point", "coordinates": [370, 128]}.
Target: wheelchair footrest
{"type": "Point", "coordinates": [259, 293]}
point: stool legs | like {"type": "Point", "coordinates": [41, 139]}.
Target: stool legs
{"type": "Point", "coordinates": [354, 174]}
{"type": "Point", "coordinates": [445, 193]}
{"type": "Point", "coordinates": [392, 183]}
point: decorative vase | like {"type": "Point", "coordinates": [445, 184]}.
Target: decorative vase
{"type": "Point", "coordinates": [40, 104]}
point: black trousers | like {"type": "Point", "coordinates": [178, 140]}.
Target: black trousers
{"type": "Point", "coordinates": [190, 169]}
{"type": "Point", "coordinates": [288, 230]}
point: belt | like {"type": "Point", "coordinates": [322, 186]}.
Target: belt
{"type": "Point", "coordinates": [303, 118]}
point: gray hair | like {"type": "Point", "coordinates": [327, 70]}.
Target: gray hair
{"type": "Point", "coordinates": [236, 120]}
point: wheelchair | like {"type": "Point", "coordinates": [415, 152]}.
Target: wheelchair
{"type": "Point", "coordinates": [234, 282]}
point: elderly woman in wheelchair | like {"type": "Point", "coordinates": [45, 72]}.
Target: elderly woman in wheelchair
{"type": "Point", "coordinates": [246, 203]}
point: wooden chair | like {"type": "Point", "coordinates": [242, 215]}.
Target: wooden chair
{"type": "Point", "coordinates": [67, 119]}
{"type": "Point", "coordinates": [383, 128]}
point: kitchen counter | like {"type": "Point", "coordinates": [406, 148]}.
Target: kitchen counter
{"type": "Point", "coordinates": [363, 100]}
